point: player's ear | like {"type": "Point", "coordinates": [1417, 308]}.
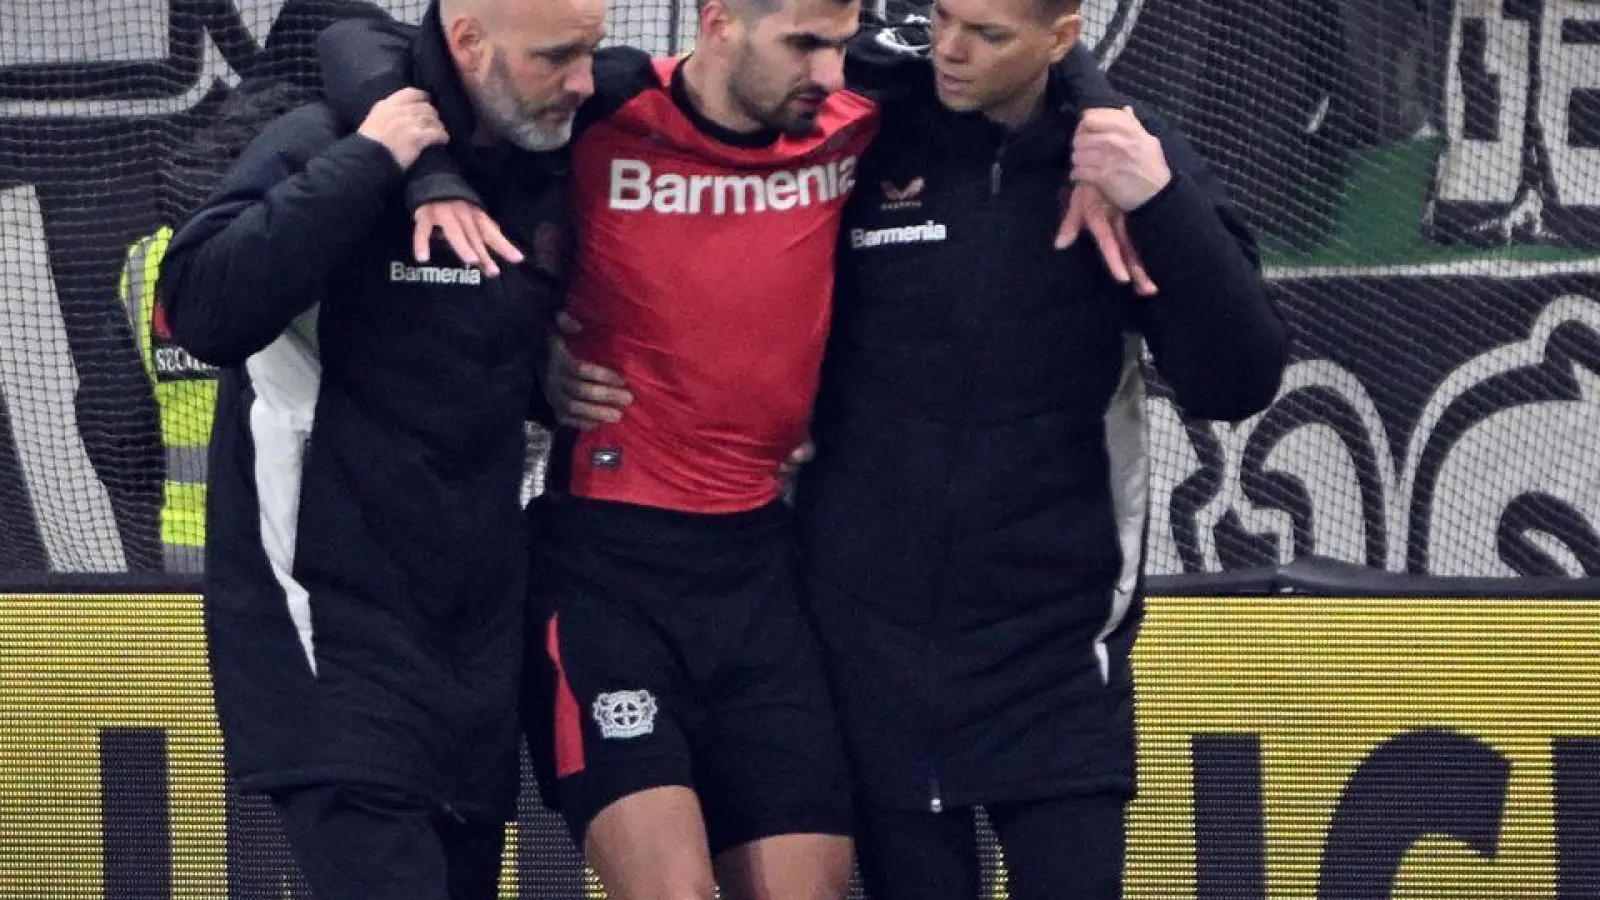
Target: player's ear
{"type": "Point", "coordinates": [718, 20]}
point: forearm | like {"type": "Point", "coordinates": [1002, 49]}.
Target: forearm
{"type": "Point", "coordinates": [244, 267]}
{"type": "Point", "coordinates": [364, 61]}
{"type": "Point", "coordinates": [1215, 333]}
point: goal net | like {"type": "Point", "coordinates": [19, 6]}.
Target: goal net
{"type": "Point", "coordinates": [1424, 178]}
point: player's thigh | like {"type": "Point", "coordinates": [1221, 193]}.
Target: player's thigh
{"type": "Point", "coordinates": [651, 845]}
{"type": "Point", "coordinates": [622, 709]}
{"type": "Point", "coordinates": [1063, 847]}
{"type": "Point", "coordinates": [771, 760]}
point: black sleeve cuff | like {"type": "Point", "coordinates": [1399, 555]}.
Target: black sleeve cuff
{"type": "Point", "coordinates": [435, 178]}
{"type": "Point", "coordinates": [1177, 202]}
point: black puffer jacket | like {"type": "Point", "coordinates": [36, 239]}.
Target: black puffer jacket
{"type": "Point", "coordinates": [975, 516]}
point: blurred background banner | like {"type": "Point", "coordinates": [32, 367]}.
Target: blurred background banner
{"type": "Point", "coordinates": [1424, 176]}
{"type": "Point", "coordinates": [1290, 748]}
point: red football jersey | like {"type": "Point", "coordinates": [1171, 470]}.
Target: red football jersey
{"type": "Point", "coordinates": [704, 275]}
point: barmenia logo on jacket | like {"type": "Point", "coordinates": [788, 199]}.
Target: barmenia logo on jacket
{"type": "Point", "coordinates": [635, 187]}
{"type": "Point", "coordinates": [400, 273]}
{"type": "Point", "coordinates": [926, 233]}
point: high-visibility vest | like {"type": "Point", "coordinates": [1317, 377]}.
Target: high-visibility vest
{"type": "Point", "coordinates": [186, 395]}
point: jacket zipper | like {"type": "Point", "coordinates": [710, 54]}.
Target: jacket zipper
{"type": "Point", "coordinates": [935, 790]}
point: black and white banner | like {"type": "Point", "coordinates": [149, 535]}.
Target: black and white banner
{"type": "Point", "coordinates": [1401, 441]}
{"type": "Point", "coordinates": [1439, 419]}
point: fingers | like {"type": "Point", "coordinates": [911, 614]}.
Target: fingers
{"type": "Point", "coordinates": [1072, 222]}
{"type": "Point", "coordinates": [1101, 120]}
{"type": "Point", "coordinates": [462, 236]}
{"type": "Point", "coordinates": [1105, 238]}
{"type": "Point", "coordinates": [590, 373]}
{"type": "Point", "coordinates": [496, 241]}
{"type": "Point", "coordinates": [422, 235]}
{"type": "Point", "coordinates": [585, 416]}
{"type": "Point", "coordinates": [471, 233]}
{"type": "Point", "coordinates": [1096, 153]}
{"type": "Point", "coordinates": [1143, 285]}
{"type": "Point", "coordinates": [433, 134]}
{"type": "Point", "coordinates": [585, 405]}
{"type": "Point", "coordinates": [408, 96]}
{"type": "Point", "coordinates": [798, 457]}
{"type": "Point", "coordinates": [583, 395]}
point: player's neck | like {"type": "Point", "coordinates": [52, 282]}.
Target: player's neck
{"type": "Point", "coordinates": [705, 80]}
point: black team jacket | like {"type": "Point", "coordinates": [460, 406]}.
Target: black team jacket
{"type": "Point", "coordinates": [974, 520]}
{"type": "Point", "coordinates": [366, 560]}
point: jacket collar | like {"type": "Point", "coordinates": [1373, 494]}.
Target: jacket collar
{"type": "Point", "coordinates": [435, 72]}
{"type": "Point", "coordinates": [1048, 133]}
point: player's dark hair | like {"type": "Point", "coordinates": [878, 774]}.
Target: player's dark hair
{"type": "Point", "coordinates": [756, 10]}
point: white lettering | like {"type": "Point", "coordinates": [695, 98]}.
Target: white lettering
{"type": "Point", "coordinates": [400, 273]}
{"type": "Point", "coordinates": [781, 187]}
{"type": "Point", "coordinates": [178, 361]}
{"type": "Point", "coordinates": [1567, 68]}
{"type": "Point", "coordinates": [635, 187]}
{"type": "Point", "coordinates": [630, 184]}
{"type": "Point", "coordinates": [928, 232]}
{"type": "Point", "coordinates": [741, 186]}
{"type": "Point", "coordinates": [1485, 169]}
{"type": "Point", "coordinates": [670, 193]}
{"type": "Point", "coordinates": [814, 182]}
{"type": "Point", "coordinates": [698, 185]}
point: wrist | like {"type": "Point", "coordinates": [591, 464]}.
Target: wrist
{"type": "Point", "coordinates": [1157, 187]}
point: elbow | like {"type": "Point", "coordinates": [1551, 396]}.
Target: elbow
{"type": "Point", "coordinates": [1240, 385]}
{"type": "Point", "coordinates": [1250, 383]}
{"type": "Point", "coordinates": [209, 345]}
{"type": "Point", "coordinates": [196, 328]}
{"type": "Point", "coordinates": [1243, 399]}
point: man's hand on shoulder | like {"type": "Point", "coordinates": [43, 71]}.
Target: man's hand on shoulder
{"type": "Point", "coordinates": [1112, 151]}
{"type": "Point", "coordinates": [406, 124]}
{"type": "Point", "coordinates": [473, 235]}
{"type": "Point", "coordinates": [1088, 208]}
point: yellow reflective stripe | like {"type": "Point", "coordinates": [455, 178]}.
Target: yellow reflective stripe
{"type": "Point", "coordinates": [186, 410]}
{"type": "Point", "coordinates": [183, 514]}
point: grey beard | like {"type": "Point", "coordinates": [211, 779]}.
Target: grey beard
{"type": "Point", "coordinates": [506, 120]}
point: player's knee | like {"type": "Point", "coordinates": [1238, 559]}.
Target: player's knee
{"type": "Point", "coordinates": [661, 879]}
{"type": "Point", "coordinates": [788, 867]}
{"type": "Point", "coordinates": [831, 876]}
{"type": "Point", "coordinates": [651, 845]}
{"type": "Point", "coordinates": [670, 883]}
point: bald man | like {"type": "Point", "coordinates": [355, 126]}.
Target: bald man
{"type": "Point", "coordinates": [365, 571]}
